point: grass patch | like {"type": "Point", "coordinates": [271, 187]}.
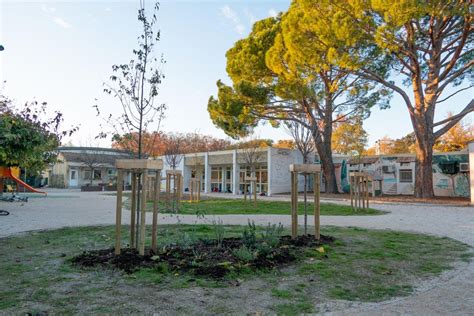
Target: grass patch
{"type": "Point", "coordinates": [239, 206]}
{"type": "Point", "coordinates": [361, 265]}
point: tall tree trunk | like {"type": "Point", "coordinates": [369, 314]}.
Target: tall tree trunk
{"type": "Point", "coordinates": [328, 169]}
{"type": "Point", "coordinates": [424, 170]}
{"type": "Point", "coordinates": [322, 139]}
{"type": "Point", "coordinates": [422, 121]}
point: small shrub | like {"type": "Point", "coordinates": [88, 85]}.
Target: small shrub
{"type": "Point", "coordinates": [249, 236]}
{"type": "Point", "coordinates": [219, 231]}
{"type": "Point", "coordinates": [244, 254]}
{"type": "Point", "coordinates": [272, 233]}
{"type": "Point", "coordinates": [184, 240]}
{"type": "Point", "coordinates": [264, 249]}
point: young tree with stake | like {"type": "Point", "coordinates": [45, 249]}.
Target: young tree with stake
{"type": "Point", "coordinates": [136, 86]}
{"type": "Point", "coordinates": [304, 143]}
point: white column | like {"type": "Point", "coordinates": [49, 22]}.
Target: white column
{"type": "Point", "coordinates": [269, 171]}
{"type": "Point", "coordinates": [235, 173]}
{"type": "Point", "coordinates": [471, 170]}
{"type": "Point", "coordinates": [207, 174]}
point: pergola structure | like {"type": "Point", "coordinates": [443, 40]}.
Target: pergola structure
{"type": "Point", "coordinates": [308, 169]}
{"type": "Point", "coordinates": [140, 169]}
{"type": "Point", "coordinates": [359, 189]}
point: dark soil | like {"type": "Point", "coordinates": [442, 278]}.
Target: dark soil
{"type": "Point", "coordinates": [204, 257]}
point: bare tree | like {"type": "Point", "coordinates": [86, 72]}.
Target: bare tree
{"type": "Point", "coordinates": [252, 155]}
{"type": "Point", "coordinates": [304, 143]}
{"type": "Point", "coordinates": [174, 150]}
{"type": "Point", "coordinates": [136, 86]}
{"type": "Point", "coordinates": [91, 159]}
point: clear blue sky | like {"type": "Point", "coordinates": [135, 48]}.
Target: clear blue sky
{"type": "Point", "coordinates": [62, 51]}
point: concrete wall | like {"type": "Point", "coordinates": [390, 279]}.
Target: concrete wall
{"type": "Point", "coordinates": [279, 172]}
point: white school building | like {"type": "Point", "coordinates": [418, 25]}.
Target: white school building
{"type": "Point", "coordinates": [224, 171]}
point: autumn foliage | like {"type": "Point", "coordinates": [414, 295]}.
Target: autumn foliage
{"type": "Point", "coordinates": [156, 144]}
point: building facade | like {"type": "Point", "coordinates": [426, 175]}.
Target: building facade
{"type": "Point", "coordinates": [224, 171]}
{"type": "Point", "coordinates": [85, 166]}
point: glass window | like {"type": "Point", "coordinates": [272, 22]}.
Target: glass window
{"type": "Point", "coordinates": [97, 174]}
{"type": "Point", "coordinates": [406, 175]}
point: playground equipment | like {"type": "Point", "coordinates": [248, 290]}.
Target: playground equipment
{"type": "Point", "coordinates": [140, 169]}
{"type": "Point", "coordinates": [359, 190]}
{"type": "Point", "coordinates": [308, 169]}
{"type": "Point", "coordinates": [13, 173]}
{"type": "Point", "coordinates": [173, 193]}
{"type": "Point", "coordinates": [194, 190]}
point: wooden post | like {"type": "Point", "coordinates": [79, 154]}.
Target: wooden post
{"type": "Point", "coordinates": [368, 191]}
{"type": "Point", "coordinates": [245, 189]}
{"type": "Point", "coordinates": [141, 249]}
{"type": "Point", "coordinates": [255, 193]}
{"type": "Point", "coordinates": [199, 190]}
{"type": "Point", "coordinates": [317, 206]}
{"type": "Point", "coordinates": [118, 212]}
{"type": "Point", "coordinates": [133, 243]}
{"type": "Point", "coordinates": [351, 190]}
{"type": "Point", "coordinates": [178, 191]}
{"type": "Point", "coordinates": [168, 189]}
{"type": "Point", "coordinates": [358, 193]}
{"type": "Point", "coordinates": [363, 190]}
{"type": "Point", "coordinates": [156, 198]}
{"type": "Point", "coordinates": [294, 204]}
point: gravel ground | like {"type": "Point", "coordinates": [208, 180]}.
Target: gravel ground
{"type": "Point", "coordinates": [451, 293]}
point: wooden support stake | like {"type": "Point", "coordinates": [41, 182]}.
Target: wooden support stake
{"type": "Point", "coordinates": [179, 192]}
{"type": "Point", "coordinates": [317, 206]}
{"type": "Point", "coordinates": [351, 191]}
{"type": "Point", "coordinates": [168, 190]}
{"type": "Point", "coordinates": [133, 242]}
{"type": "Point", "coordinates": [255, 193]}
{"type": "Point", "coordinates": [294, 205]}
{"type": "Point", "coordinates": [156, 198]}
{"type": "Point", "coordinates": [245, 190]}
{"type": "Point", "coordinates": [358, 192]}
{"type": "Point", "coordinates": [199, 190]}
{"type": "Point", "coordinates": [368, 191]}
{"type": "Point", "coordinates": [118, 212]}
{"type": "Point", "coordinates": [141, 249]}
{"type": "Point", "coordinates": [363, 191]}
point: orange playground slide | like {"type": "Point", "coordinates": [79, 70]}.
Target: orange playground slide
{"type": "Point", "coordinates": [13, 173]}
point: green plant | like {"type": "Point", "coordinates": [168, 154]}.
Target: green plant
{"type": "Point", "coordinates": [272, 233]}
{"type": "Point", "coordinates": [219, 231]}
{"type": "Point", "coordinates": [249, 235]}
{"type": "Point", "coordinates": [264, 249]}
{"type": "Point", "coordinates": [184, 240]}
{"type": "Point", "coordinates": [244, 254]}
